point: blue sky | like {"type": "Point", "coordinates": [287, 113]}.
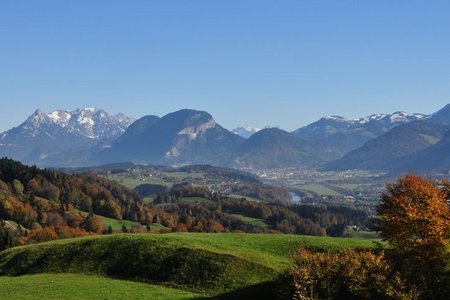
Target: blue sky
{"type": "Point", "coordinates": [259, 63]}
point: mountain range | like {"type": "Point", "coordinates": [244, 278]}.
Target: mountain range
{"type": "Point", "coordinates": [415, 146]}
{"type": "Point", "coordinates": [61, 136]}
{"type": "Point", "coordinates": [340, 135]}
{"type": "Point", "coordinates": [90, 136]}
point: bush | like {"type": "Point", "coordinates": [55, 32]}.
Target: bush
{"type": "Point", "coordinates": [350, 274]}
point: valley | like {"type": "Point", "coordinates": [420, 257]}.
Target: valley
{"type": "Point", "coordinates": [224, 150]}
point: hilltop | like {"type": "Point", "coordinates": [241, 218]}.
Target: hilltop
{"type": "Point", "coordinates": [208, 264]}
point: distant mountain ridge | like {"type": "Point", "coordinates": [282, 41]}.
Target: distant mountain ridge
{"type": "Point", "coordinates": [276, 148]}
{"type": "Point", "coordinates": [61, 133]}
{"type": "Point", "coordinates": [417, 146]}
{"type": "Point", "coordinates": [385, 151]}
{"type": "Point", "coordinates": [90, 136]}
{"type": "Point", "coordinates": [340, 135]}
{"type": "Point", "coordinates": [91, 122]}
{"type": "Point", "coordinates": [182, 137]}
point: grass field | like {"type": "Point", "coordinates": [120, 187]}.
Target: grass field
{"type": "Point", "coordinates": [114, 223]}
{"type": "Point", "coordinates": [369, 235]}
{"type": "Point", "coordinates": [80, 286]}
{"type": "Point", "coordinates": [148, 200]}
{"type": "Point", "coordinates": [354, 186]}
{"type": "Point", "coordinates": [250, 220]}
{"type": "Point", "coordinates": [117, 224]}
{"type": "Point", "coordinates": [319, 189]}
{"type": "Point", "coordinates": [246, 197]}
{"type": "Point", "coordinates": [183, 176]}
{"type": "Point", "coordinates": [194, 199]}
{"type": "Point", "coordinates": [203, 263]}
{"type": "Point", "coordinates": [132, 183]}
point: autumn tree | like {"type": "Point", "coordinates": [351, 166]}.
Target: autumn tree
{"type": "Point", "coordinates": [42, 235]}
{"type": "Point", "coordinates": [350, 274]}
{"type": "Point", "coordinates": [415, 220]}
{"type": "Point", "coordinates": [93, 223]}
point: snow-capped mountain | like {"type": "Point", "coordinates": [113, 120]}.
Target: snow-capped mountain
{"type": "Point", "coordinates": [398, 116]}
{"type": "Point", "coordinates": [341, 135]}
{"type": "Point", "coordinates": [42, 137]}
{"type": "Point", "coordinates": [246, 131]}
{"type": "Point", "coordinates": [90, 136]}
{"type": "Point", "coordinates": [92, 122]}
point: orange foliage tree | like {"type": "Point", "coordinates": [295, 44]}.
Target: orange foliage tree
{"type": "Point", "coordinates": [415, 219]}
{"type": "Point", "coordinates": [414, 216]}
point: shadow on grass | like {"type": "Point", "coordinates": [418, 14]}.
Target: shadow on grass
{"type": "Point", "coordinates": [261, 291]}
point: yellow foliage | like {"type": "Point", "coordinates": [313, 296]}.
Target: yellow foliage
{"type": "Point", "coordinates": [349, 273]}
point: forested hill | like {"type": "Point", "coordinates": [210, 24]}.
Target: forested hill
{"type": "Point", "coordinates": [38, 199]}
{"type": "Point", "coordinates": [87, 192]}
{"type": "Point", "coordinates": [40, 205]}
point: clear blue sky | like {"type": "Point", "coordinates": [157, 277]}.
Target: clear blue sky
{"type": "Point", "coordinates": [283, 63]}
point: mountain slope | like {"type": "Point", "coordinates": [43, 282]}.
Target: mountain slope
{"type": "Point", "coordinates": [433, 158]}
{"type": "Point", "coordinates": [441, 117]}
{"type": "Point", "coordinates": [185, 136]}
{"type": "Point", "coordinates": [61, 138]}
{"type": "Point", "coordinates": [383, 152]}
{"type": "Point", "coordinates": [340, 135]}
{"type": "Point", "coordinates": [38, 138]}
{"type": "Point", "coordinates": [275, 148]}
{"type": "Point", "coordinates": [93, 123]}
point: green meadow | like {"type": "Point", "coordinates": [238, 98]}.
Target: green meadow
{"type": "Point", "coordinates": [80, 286]}
{"type": "Point", "coordinates": [194, 264]}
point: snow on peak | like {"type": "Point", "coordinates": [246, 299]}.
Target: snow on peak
{"type": "Point", "coordinates": [377, 117]}
{"type": "Point", "coordinates": [401, 116]}
{"type": "Point", "coordinates": [398, 116]}
{"type": "Point", "coordinates": [91, 122]}
{"type": "Point", "coordinates": [60, 117]}
{"type": "Point", "coordinates": [38, 118]}
{"type": "Point", "coordinates": [337, 118]}
{"type": "Point", "coordinates": [245, 131]}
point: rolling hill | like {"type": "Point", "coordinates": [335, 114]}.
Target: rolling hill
{"type": "Point", "coordinates": [208, 264]}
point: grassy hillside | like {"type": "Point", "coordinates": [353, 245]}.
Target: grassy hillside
{"type": "Point", "coordinates": [250, 220]}
{"type": "Point", "coordinates": [204, 263]}
{"type": "Point", "coordinates": [80, 286]}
